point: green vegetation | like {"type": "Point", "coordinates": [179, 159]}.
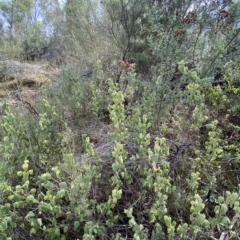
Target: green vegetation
{"type": "Point", "coordinates": [135, 135]}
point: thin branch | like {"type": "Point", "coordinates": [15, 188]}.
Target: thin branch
{"type": "Point", "coordinates": [219, 52]}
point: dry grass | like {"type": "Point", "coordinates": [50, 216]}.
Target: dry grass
{"type": "Point", "coordinates": [17, 76]}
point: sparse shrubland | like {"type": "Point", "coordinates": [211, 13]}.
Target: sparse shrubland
{"type": "Point", "coordinates": [145, 149]}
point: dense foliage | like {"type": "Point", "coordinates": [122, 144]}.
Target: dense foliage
{"type": "Point", "coordinates": [137, 135]}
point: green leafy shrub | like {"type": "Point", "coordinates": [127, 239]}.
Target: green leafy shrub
{"type": "Point", "coordinates": [34, 136]}
{"type": "Point", "coordinates": [168, 165]}
{"type": "Point", "coordinates": [148, 193]}
{"type": "Point", "coordinates": [50, 210]}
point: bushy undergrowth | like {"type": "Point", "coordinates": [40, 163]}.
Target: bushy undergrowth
{"type": "Point", "coordinates": [171, 170]}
